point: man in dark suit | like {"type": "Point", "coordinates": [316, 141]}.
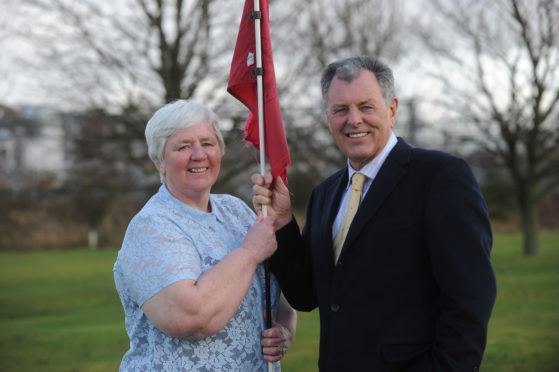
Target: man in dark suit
{"type": "Point", "coordinates": [412, 288]}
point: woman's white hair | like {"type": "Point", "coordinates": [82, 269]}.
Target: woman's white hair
{"type": "Point", "coordinates": [172, 118]}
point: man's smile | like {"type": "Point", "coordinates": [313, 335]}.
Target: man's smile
{"type": "Point", "coordinates": [356, 135]}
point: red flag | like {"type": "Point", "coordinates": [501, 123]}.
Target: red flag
{"type": "Point", "coordinates": [242, 85]}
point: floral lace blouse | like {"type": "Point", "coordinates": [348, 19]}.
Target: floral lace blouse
{"type": "Point", "coordinates": [168, 241]}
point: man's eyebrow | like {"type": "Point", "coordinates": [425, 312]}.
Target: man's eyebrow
{"type": "Point", "coordinates": [363, 102]}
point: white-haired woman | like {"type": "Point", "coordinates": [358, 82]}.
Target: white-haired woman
{"type": "Point", "coordinates": [189, 272]}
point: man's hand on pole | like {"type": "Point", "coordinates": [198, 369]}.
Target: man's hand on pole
{"type": "Point", "coordinates": [275, 195]}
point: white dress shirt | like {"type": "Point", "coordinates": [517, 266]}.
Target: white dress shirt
{"type": "Point", "coordinates": [370, 170]}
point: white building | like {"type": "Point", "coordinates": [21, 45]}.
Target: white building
{"type": "Point", "coordinates": [33, 148]}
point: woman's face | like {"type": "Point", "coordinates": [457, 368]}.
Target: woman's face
{"type": "Point", "coordinates": [192, 161]}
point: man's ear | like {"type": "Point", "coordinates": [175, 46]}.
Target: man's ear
{"type": "Point", "coordinates": [393, 109]}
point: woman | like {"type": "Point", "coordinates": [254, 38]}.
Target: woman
{"type": "Point", "coordinates": [189, 272]}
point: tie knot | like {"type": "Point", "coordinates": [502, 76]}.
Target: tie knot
{"type": "Point", "coordinates": [357, 181]}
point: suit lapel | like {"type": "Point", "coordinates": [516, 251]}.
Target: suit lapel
{"type": "Point", "coordinates": [331, 196]}
{"type": "Point", "coordinates": [390, 174]}
{"type": "Point", "coordinates": [334, 195]}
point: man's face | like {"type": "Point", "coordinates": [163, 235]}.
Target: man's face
{"type": "Point", "coordinates": [359, 118]}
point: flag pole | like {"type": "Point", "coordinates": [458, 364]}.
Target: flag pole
{"type": "Point", "coordinates": [259, 89]}
{"type": "Point", "coordinates": [262, 141]}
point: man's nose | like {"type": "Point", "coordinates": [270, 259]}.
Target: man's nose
{"type": "Point", "coordinates": [353, 116]}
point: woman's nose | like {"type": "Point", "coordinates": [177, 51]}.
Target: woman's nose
{"type": "Point", "coordinates": [198, 152]}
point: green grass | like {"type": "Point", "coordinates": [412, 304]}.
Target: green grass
{"type": "Point", "coordinates": [524, 327]}
{"type": "Point", "coordinates": [59, 312]}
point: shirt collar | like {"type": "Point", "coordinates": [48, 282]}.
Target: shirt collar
{"type": "Point", "coordinates": [199, 215]}
{"type": "Point", "coordinates": [371, 169]}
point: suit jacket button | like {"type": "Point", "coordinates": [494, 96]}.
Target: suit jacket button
{"type": "Point", "coordinates": [334, 307]}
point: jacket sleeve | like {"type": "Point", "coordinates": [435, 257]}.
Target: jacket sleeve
{"type": "Point", "coordinates": [459, 241]}
{"type": "Point", "coordinates": [291, 264]}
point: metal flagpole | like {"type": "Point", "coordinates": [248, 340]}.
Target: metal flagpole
{"type": "Point", "coordinates": [262, 140]}
{"type": "Point", "coordinates": [260, 94]}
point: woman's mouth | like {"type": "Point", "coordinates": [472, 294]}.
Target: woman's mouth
{"type": "Point", "coordinates": [197, 170]}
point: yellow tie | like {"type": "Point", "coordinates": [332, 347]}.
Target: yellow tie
{"type": "Point", "coordinates": [357, 181]}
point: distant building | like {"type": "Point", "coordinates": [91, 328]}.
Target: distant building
{"type": "Point", "coordinates": [34, 151]}
{"type": "Point", "coordinates": [42, 148]}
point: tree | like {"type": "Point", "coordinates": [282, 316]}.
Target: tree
{"type": "Point", "coordinates": [498, 65]}
{"type": "Point", "coordinates": [100, 172]}
{"type": "Point", "coordinates": [131, 56]}
{"type": "Point", "coordinates": [125, 53]}
{"type": "Point", "coordinates": [307, 36]}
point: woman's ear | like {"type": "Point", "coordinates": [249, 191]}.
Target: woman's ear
{"type": "Point", "coordinates": [160, 167]}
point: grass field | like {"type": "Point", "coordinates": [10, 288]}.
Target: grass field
{"type": "Point", "coordinates": [59, 312]}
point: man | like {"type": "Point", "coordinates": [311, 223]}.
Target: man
{"type": "Point", "coordinates": [411, 287]}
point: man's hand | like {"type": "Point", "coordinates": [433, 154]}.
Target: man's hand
{"type": "Point", "coordinates": [275, 196]}
{"type": "Point", "coordinates": [275, 342]}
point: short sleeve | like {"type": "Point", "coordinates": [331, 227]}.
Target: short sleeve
{"type": "Point", "coordinates": [155, 254]}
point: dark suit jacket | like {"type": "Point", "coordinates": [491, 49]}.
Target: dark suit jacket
{"type": "Point", "coordinates": [414, 287]}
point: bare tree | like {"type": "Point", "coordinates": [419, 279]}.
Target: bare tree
{"type": "Point", "coordinates": [125, 53]}
{"type": "Point", "coordinates": [498, 65]}
{"type": "Point", "coordinates": [307, 36]}
{"type": "Point", "coordinates": [128, 56]}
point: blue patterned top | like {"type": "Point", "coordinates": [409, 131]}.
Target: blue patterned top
{"type": "Point", "coordinates": [168, 241]}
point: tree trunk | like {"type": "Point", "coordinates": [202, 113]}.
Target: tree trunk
{"type": "Point", "coordinates": [529, 217]}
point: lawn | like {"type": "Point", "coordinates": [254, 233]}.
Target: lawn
{"type": "Point", "coordinates": [59, 312]}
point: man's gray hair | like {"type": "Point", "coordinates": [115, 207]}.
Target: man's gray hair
{"type": "Point", "coordinates": [349, 69]}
